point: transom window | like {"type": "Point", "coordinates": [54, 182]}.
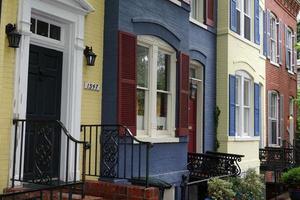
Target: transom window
{"type": "Point", "coordinates": [273, 118]}
{"type": "Point", "coordinates": [156, 64]}
{"type": "Point", "coordinates": [244, 106]}
{"type": "Point", "coordinates": [289, 50]}
{"type": "Point", "coordinates": [197, 10]}
{"type": "Point", "coordinates": [273, 38]}
{"type": "Point", "coordinates": [45, 29]}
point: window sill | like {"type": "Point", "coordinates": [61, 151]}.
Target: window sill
{"type": "Point", "coordinates": [194, 21]}
{"type": "Point", "coordinates": [274, 63]}
{"type": "Point", "coordinates": [177, 2]}
{"type": "Point", "coordinates": [243, 138]}
{"type": "Point", "coordinates": [163, 139]}
{"type": "Point", "coordinates": [242, 39]}
{"type": "Point", "coordinates": [262, 56]}
{"type": "Point", "coordinates": [291, 72]}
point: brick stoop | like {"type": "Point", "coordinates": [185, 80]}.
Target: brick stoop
{"type": "Point", "coordinates": [113, 191]}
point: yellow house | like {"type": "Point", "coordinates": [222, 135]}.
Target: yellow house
{"type": "Point", "coordinates": [47, 76]}
{"type": "Point", "coordinates": [241, 79]}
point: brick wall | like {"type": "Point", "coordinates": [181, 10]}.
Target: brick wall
{"type": "Point", "coordinates": [113, 191]}
{"type": "Point", "coordinates": [277, 77]}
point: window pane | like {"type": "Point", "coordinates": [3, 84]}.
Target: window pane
{"type": "Point", "coordinates": [163, 66]}
{"type": "Point", "coordinates": [198, 10]}
{"type": "Point", "coordinates": [142, 66]}
{"type": "Point", "coordinates": [161, 111]}
{"type": "Point", "coordinates": [247, 27]}
{"type": "Point", "coordinates": [192, 72]}
{"type": "Point", "coordinates": [42, 28]}
{"type": "Point", "coordinates": [237, 119]}
{"type": "Point", "coordinates": [246, 93]}
{"type": "Point", "coordinates": [238, 17]}
{"type": "Point", "coordinates": [32, 26]}
{"type": "Point", "coordinates": [141, 109]}
{"type": "Point", "coordinates": [246, 120]}
{"type": "Point", "coordinates": [274, 132]}
{"type": "Point", "coordinates": [237, 90]}
{"type": "Point", "coordinates": [54, 32]}
{"type": "Point", "coordinates": [274, 106]}
{"type": "Point", "coordinates": [246, 7]}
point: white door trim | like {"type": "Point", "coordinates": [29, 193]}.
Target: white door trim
{"type": "Point", "coordinates": [71, 14]}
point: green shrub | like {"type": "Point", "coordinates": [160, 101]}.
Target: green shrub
{"type": "Point", "coordinates": [292, 176]}
{"type": "Point", "coordinates": [219, 189]}
{"type": "Point", "coordinates": [251, 186]}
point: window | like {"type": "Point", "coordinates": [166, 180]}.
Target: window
{"type": "Point", "coordinates": [156, 64]}
{"type": "Point", "coordinates": [247, 19]}
{"type": "Point", "coordinates": [45, 29]}
{"type": "Point", "coordinates": [289, 50]}
{"type": "Point", "coordinates": [197, 10]}
{"type": "Point", "coordinates": [238, 16]}
{"type": "Point", "coordinates": [273, 118]}
{"type": "Point", "coordinates": [243, 107]}
{"type": "Point", "coordinates": [273, 38]}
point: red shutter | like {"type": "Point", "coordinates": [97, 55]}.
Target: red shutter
{"type": "Point", "coordinates": [184, 64]}
{"type": "Point", "coordinates": [210, 12]}
{"type": "Point", "coordinates": [127, 81]}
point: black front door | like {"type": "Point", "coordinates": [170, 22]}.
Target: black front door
{"type": "Point", "coordinates": [42, 146]}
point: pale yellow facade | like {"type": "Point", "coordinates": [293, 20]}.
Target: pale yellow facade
{"type": "Point", "coordinates": [235, 53]}
{"type": "Point", "coordinates": [91, 100]}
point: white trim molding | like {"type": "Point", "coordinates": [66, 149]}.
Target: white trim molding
{"type": "Point", "coordinates": [70, 14]}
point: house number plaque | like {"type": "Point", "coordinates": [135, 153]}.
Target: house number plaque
{"type": "Point", "coordinates": [91, 86]}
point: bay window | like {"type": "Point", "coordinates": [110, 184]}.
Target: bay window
{"type": "Point", "coordinates": [156, 85]}
{"type": "Point", "coordinates": [243, 101]}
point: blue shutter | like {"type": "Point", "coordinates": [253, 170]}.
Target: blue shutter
{"type": "Point", "coordinates": [256, 22]}
{"type": "Point", "coordinates": [233, 19]}
{"type": "Point", "coordinates": [257, 102]}
{"type": "Point", "coordinates": [231, 105]}
{"type": "Point", "coordinates": [265, 34]}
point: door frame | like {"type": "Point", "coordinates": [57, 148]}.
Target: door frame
{"type": "Point", "coordinates": [70, 14]}
{"type": "Point", "coordinates": [200, 106]}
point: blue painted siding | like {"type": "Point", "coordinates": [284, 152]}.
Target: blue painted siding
{"type": "Point", "coordinates": [171, 23]}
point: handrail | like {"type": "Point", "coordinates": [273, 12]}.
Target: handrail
{"type": "Point", "coordinates": [119, 125]}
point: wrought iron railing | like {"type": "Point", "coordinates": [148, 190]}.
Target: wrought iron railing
{"type": "Point", "coordinates": [213, 164]}
{"type": "Point", "coordinates": [276, 158]}
{"type": "Point", "coordinates": [44, 153]}
{"type": "Point", "coordinates": [116, 153]}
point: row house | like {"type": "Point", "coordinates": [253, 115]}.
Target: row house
{"type": "Point", "coordinates": [159, 79]}
{"type": "Point", "coordinates": [47, 76]}
{"type": "Point", "coordinates": [281, 78]}
{"type": "Point", "coordinates": [241, 81]}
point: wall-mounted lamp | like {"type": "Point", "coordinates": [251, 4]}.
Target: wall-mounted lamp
{"type": "Point", "coordinates": [90, 56]}
{"type": "Point", "coordinates": [13, 35]}
{"type": "Point", "coordinates": [193, 89]}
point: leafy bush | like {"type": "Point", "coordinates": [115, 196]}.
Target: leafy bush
{"type": "Point", "coordinates": [219, 189]}
{"type": "Point", "coordinates": [292, 176]}
{"type": "Point", "coordinates": [249, 187]}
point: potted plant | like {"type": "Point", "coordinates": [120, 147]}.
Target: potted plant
{"type": "Point", "coordinates": [292, 179]}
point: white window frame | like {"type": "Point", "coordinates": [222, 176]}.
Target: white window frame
{"type": "Point", "coordinates": [290, 48]}
{"type": "Point", "coordinates": [195, 10]}
{"type": "Point", "coordinates": [155, 44]}
{"type": "Point", "coordinates": [242, 17]}
{"type": "Point", "coordinates": [272, 119]}
{"type": "Point", "coordinates": [273, 54]}
{"type": "Point", "coordinates": [241, 107]}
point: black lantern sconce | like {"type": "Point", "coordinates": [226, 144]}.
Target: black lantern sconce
{"type": "Point", "coordinates": [90, 56]}
{"type": "Point", "coordinates": [193, 89]}
{"type": "Point", "coordinates": [13, 35]}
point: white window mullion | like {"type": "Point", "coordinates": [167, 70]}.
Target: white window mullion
{"type": "Point", "coordinates": [152, 94]}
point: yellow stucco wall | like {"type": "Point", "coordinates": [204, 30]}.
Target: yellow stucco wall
{"type": "Point", "coordinates": [236, 53]}
{"type": "Point", "coordinates": [7, 63]}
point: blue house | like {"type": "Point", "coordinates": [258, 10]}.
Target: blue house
{"type": "Point", "coordinates": [159, 78]}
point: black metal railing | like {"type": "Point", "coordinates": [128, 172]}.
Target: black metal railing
{"type": "Point", "coordinates": [40, 192]}
{"type": "Point", "coordinates": [42, 153]}
{"type": "Point", "coordinates": [213, 164]}
{"type": "Point", "coordinates": [116, 153]}
{"type": "Point", "coordinates": [276, 158]}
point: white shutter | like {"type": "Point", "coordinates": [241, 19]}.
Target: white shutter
{"type": "Point", "coordinates": [293, 53]}
{"type": "Point", "coordinates": [279, 52]}
{"type": "Point", "coordinates": [281, 114]}
{"type": "Point", "coordinates": [268, 34]}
